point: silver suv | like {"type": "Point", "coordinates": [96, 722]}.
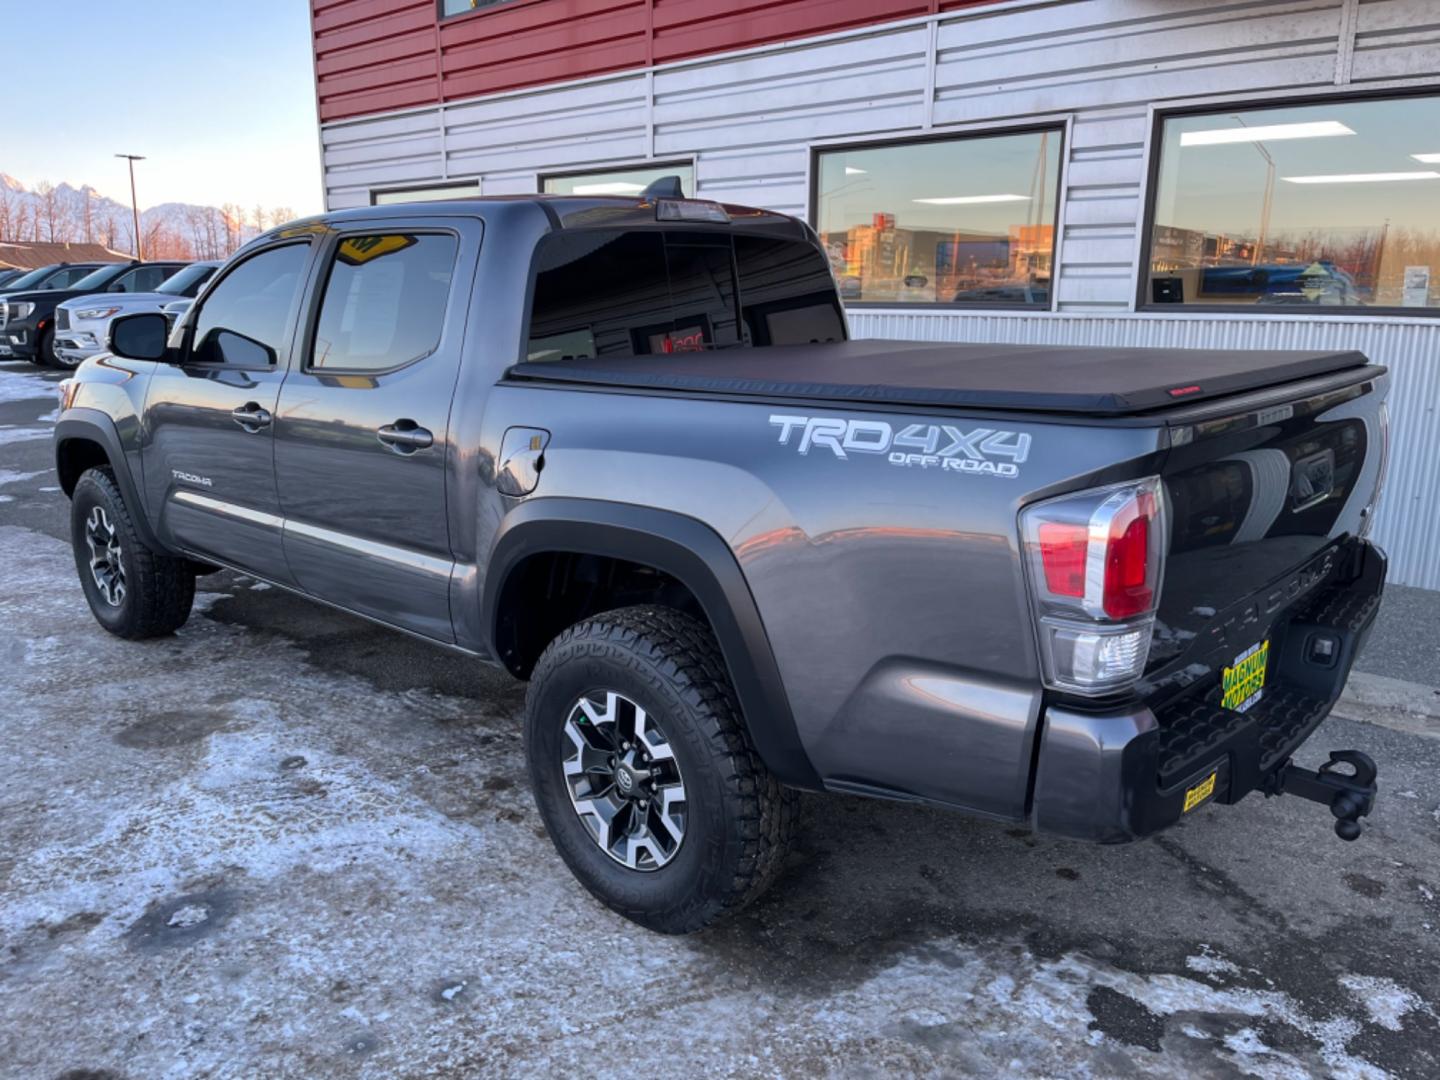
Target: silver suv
{"type": "Point", "coordinates": [81, 325]}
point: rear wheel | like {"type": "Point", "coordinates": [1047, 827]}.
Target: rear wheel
{"type": "Point", "coordinates": [133, 591]}
{"type": "Point", "coordinates": [644, 773]}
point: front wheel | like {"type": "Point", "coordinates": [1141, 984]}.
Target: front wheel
{"type": "Point", "coordinates": [45, 350]}
{"type": "Point", "coordinates": [644, 773]}
{"type": "Point", "coordinates": [133, 591]}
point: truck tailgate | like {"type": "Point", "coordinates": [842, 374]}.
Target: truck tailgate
{"type": "Point", "coordinates": [1110, 382]}
{"type": "Point", "coordinates": [1265, 504]}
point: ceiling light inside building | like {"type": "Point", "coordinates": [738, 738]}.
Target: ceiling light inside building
{"type": "Point", "coordinates": [851, 170]}
{"type": "Point", "coordinates": [956, 200]}
{"type": "Point", "coordinates": [1428, 159]}
{"type": "Point", "coordinates": [1361, 178]}
{"type": "Point", "coordinates": [1315, 129]}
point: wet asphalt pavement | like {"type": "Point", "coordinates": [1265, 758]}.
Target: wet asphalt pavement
{"type": "Point", "coordinates": [288, 843]}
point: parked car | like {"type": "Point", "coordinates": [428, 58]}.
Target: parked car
{"type": "Point", "coordinates": [1064, 587]}
{"type": "Point", "coordinates": [175, 311]}
{"type": "Point", "coordinates": [43, 279]}
{"type": "Point", "coordinates": [81, 324]}
{"type": "Point", "coordinates": [28, 328]}
{"type": "Point", "coordinates": [10, 275]}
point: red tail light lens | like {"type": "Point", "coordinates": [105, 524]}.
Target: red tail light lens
{"type": "Point", "coordinates": [1129, 589]}
{"type": "Point", "coordinates": [1062, 553]}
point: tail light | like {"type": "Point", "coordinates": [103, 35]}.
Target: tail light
{"type": "Point", "coordinates": [1367, 516]}
{"type": "Point", "coordinates": [1096, 560]}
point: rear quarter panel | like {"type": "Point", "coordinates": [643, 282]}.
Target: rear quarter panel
{"type": "Point", "coordinates": [891, 593]}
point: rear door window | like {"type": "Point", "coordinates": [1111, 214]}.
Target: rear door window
{"type": "Point", "coordinates": [385, 301]}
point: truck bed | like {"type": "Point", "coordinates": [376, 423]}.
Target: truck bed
{"type": "Point", "coordinates": [1088, 381]}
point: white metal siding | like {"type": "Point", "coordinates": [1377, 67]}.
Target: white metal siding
{"type": "Point", "coordinates": [751, 119]}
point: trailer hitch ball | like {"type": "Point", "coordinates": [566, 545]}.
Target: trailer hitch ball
{"type": "Point", "coordinates": [1349, 794]}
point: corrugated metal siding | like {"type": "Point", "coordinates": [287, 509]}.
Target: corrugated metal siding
{"type": "Point", "coordinates": [1406, 523]}
{"type": "Point", "coordinates": [750, 120]}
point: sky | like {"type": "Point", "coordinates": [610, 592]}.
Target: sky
{"type": "Point", "coordinates": [219, 95]}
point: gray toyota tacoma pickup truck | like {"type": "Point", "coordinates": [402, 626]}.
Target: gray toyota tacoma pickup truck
{"type": "Point", "coordinates": [624, 448]}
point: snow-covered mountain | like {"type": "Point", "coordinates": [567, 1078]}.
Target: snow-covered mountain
{"type": "Point", "coordinates": [64, 212]}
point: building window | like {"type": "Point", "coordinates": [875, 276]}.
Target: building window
{"type": "Point", "coordinates": [624, 181]}
{"type": "Point", "coordinates": [464, 7]}
{"type": "Point", "coordinates": [431, 193]}
{"type": "Point", "coordinates": [1311, 207]}
{"type": "Point", "coordinates": [965, 221]}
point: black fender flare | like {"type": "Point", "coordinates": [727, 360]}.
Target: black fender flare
{"type": "Point", "coordinates": [692, 553]}
{"type": "Point", "coordinates": [94, 426]}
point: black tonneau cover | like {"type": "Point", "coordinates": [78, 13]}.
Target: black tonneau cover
{"type": "Point", "coordinates": [1043, 378]}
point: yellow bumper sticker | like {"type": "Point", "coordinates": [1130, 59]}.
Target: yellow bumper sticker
{"type": "Point", "coordinates": [1199, 793]}
{"type": "Point", "coordinates": [1244, 681]}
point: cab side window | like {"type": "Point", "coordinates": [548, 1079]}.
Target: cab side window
{"type": "Point", "coordinates": [385, 301]}
{"type": "Point", "coordinates": [245, 317]}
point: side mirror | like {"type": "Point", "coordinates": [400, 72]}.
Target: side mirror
{"type": "Point", "coordinates": [140, 337]}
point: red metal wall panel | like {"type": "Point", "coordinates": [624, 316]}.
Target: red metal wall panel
{"type": "Point", "coordinates": [685, 28]}
{"type": "Point", "coordinates": [377, 55]}
{"type": "Point", "coordinates": [526, 43]}
{"type": "Point", "coordinates": [374, 55]}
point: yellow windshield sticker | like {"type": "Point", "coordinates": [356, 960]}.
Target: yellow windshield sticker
{"type": "Point", "coordinates": [1244, 682]}
{"type": "Point", "coordinates": [358, 250]}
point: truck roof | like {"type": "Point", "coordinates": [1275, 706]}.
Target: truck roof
{"type": "Point", "coordinates": [1092, 381]}
{"type": "Point", "coordinates": [563, 211]}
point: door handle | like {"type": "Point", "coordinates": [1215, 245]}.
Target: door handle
{"type": "Point", "coordinates": [405, 436]}
{"type": "Point", "coordinates": [251, 417]}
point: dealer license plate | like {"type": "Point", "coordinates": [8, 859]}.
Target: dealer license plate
{"type": "Point", "coordinates": [1243, 682]}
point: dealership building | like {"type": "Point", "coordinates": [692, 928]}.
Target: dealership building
{"type": "Point", "coordinates": [1162, 173]}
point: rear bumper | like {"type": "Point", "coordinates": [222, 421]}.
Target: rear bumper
{"type": "Point", "coordinates": [1118, 776]}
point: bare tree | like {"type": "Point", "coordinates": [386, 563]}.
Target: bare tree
{"type": "Point", "coordinates": [7, 214]}
{"type": "Point", "coordinates": [48, 210]}
{"type": "Point", "coordinates": [24, 221]}
{"type": "Point", "coordinates": [107, 230]}
{"type": "Point", "coordinates": [280, 215]}
{"type": "Point", "coordinates": [87, 216]}
{"type": "Point", "coordinates": [234, 216]}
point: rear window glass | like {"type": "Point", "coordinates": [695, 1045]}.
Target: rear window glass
{"type": "Point", "coordinates": [615, 294]}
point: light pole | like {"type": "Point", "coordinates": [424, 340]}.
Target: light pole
{"type": "Point", "coordinates": [1269, 199]}
{"type": "Point", "coordinates": [134, 206]}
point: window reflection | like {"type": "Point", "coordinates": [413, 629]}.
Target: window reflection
{"type": "Point", "coordinates": [1311, 207]}
{"type": "Point", "coordinates": [963, 221]}
{"type": "Point", "coordinates": [618, 181]}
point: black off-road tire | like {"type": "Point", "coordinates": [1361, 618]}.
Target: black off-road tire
{"type": "Point", "coordinates": [740, 820]}
{"type": "Point", "coordinates": [159, 589]}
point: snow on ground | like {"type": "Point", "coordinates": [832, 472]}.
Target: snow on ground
{"type": "Point", "coordinates": [24, 385]}
{"type": "Point", "coordinates": [231, 862]}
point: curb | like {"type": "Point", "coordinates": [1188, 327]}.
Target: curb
{"type": "Point", "coordinates": [1392, 703]}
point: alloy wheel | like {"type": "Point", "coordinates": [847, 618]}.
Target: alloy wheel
{"type": "Point", "coordinates": [624, 781]}
{"type": "Point", "coordinates": [105, 565]}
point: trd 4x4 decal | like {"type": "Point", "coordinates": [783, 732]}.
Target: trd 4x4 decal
{"type": "Point", "coordinates": [923, 446]}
